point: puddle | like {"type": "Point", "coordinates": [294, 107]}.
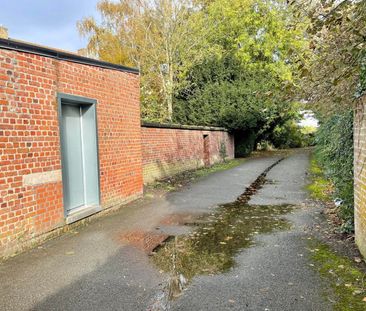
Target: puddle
{"type": "Point", "coordinates": [211, 248]}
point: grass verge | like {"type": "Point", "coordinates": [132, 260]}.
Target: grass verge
{"type": "Point", "coordinates": [343, 276]}
{"type": "Point", "coordinates": [320, 188]}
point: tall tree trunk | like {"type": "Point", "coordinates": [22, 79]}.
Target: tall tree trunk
{"type": "Point", "coordinates": [170, 92]}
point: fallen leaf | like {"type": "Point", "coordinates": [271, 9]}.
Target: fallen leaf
{"type": "Point", "coordinates": [358, 259]}
{"type": "Point", "coordinates": [70, 253]}
{"type": "Point", "coordinates": [364, 299]}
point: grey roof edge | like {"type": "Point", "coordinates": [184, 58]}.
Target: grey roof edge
{"type": "Point", "coordinates": [26, 47]}
{"type": "Point", "coordinates": [182, 127]}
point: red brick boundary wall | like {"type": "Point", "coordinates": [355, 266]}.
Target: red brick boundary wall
{"type": "Point", "coordinates": [169, 149]}
{"type": "Point", "coordinates": [360, 174]}
{"type": "Point", "coordinates": [31, 198]}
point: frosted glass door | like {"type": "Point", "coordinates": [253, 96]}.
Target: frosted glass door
{"type": "Point", "coordinates": [72, 164]}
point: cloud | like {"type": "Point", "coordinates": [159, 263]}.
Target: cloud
{"type": "Point", "coordinates": [51, 23]}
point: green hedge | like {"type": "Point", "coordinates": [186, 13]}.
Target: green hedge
{"type": "Point", "coordinates": [334, 152]}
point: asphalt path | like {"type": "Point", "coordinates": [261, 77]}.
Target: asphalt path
{"type": "Point", "coordinates": [276, 274]}
{"type": "Point", "coordinates": [92, 269]}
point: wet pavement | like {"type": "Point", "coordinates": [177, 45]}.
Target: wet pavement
{"type": "Point", "coordinates": [261, 263]}
{"type": "Point", "coordinates": [211, 248]}
{"type": "Point", "coordinates": [240, 256]}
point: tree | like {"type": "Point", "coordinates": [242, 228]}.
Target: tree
{"type": "Point", "coordinates": [261, 34]}
{"type": "Point", "coordinates": [244, 82]}
{"type": "Point", "coordinates": [216, 62]}
{"type": "Point", "coordinates": [332, 80]}
{"type": "Point", "coordinates": [155, 36]}
{"type": "Point", "coordinates": [337, 35]}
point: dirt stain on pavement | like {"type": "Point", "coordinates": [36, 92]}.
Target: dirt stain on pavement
{"type": "Point", "coordinates": [211, 248]}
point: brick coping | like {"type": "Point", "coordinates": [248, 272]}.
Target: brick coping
{"type": "Point", "coordinates": [20, 46]}
{"type": "Point", "coordinates": [182, 126]}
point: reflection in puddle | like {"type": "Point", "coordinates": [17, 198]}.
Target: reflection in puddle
{"type": "Point", "coordinates": [211, 248]}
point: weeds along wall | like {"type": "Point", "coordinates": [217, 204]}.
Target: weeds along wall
{"type": "Point", "coordinates": [31, 187]}
{"type": "Point", "coordinates": [170, 149]}
{"type": "Point", "coordinates": [334, 152]}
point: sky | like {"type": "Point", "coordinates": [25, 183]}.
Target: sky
{"type": "Point", "coordinates": [308, 119]}
{"type": "Point", "coordinates": [47, 22]}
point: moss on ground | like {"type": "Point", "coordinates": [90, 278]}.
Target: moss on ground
{"type": "Point", "coordinates": [218, 167]}
{"type": "Point", "coordinates": [320, 188]}
{"type": "Point", "coordinates": [343, 276]}
{"type": "Point", "coordinates": [180, 179]}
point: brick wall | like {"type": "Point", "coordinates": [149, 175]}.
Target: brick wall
{"type": "Point", "coordinates": [360, 174]}
{"type": "Point", "coordinates": [167, 151]}
{"type": "Point", "coordinates": [30, 161]}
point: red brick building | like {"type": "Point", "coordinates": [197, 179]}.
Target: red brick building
{"type": "Point", "coordinates": [71, 142]}
{"type": "Point", "coordinates": [58, 107]}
